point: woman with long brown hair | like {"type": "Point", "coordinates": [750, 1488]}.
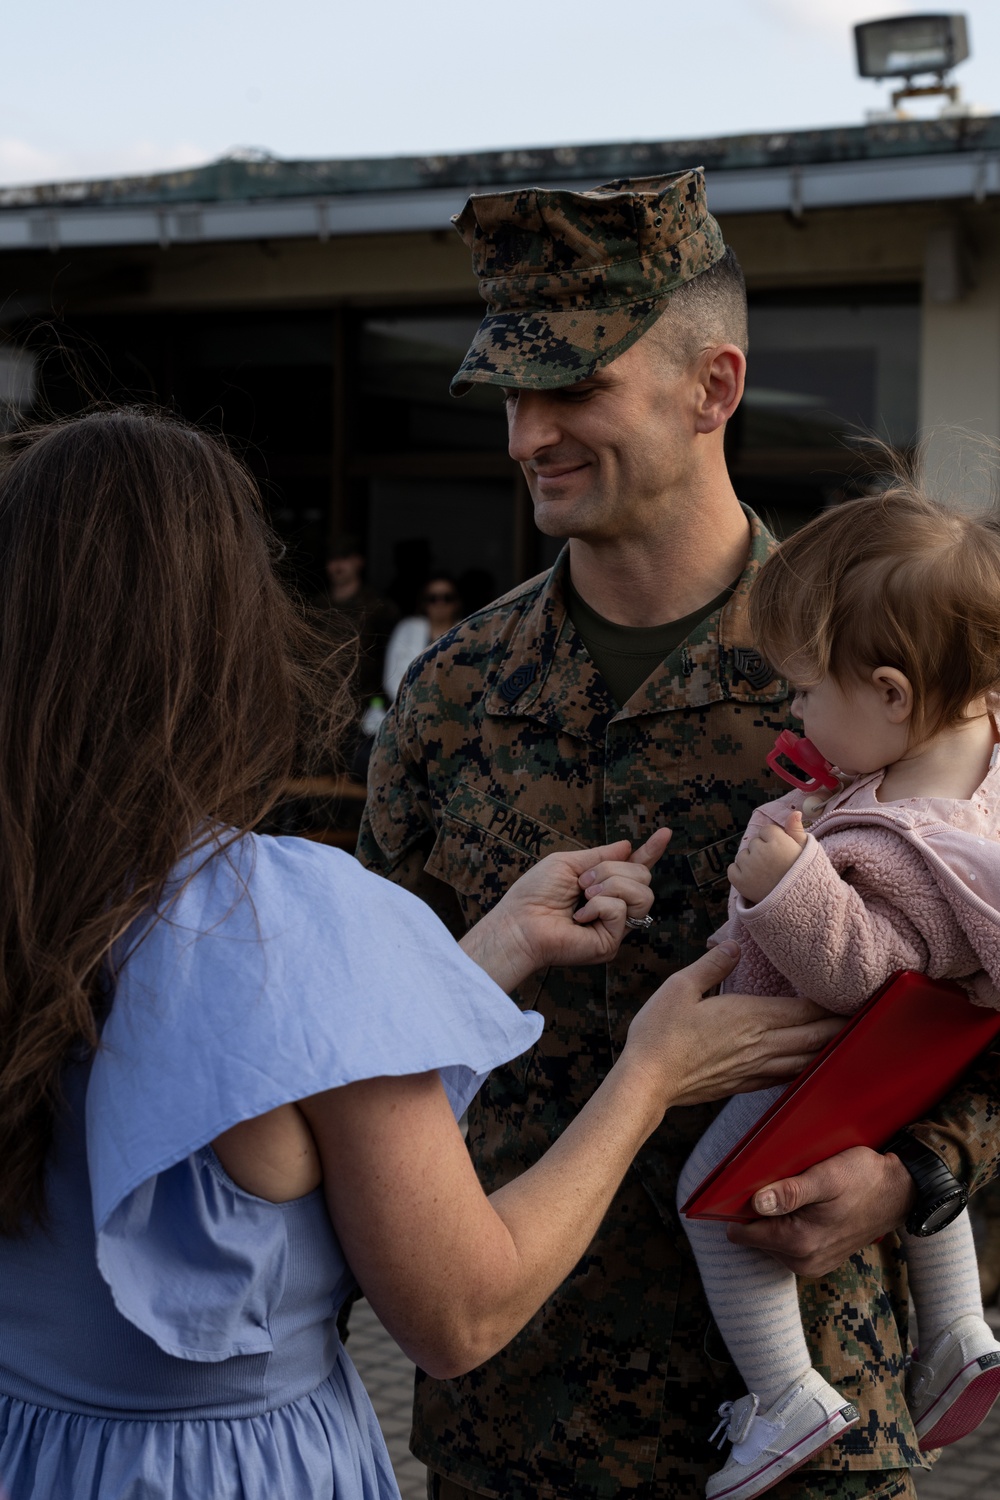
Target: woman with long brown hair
{"type": "Point", "coordinates": [229, 1064]}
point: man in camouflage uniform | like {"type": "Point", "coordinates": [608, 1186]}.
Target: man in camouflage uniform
{"type": "Point", "coordinates": [611, 329]}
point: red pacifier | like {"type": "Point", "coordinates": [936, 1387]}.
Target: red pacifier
{"type": "Point", "coordinates": [805, 757]}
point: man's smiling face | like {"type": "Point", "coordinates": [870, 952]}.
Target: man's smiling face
{"type": "Point", "coordinates": [600, 454]}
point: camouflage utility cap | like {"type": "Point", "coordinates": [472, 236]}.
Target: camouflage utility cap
{"type": "Point", "coordinates": [571, 280]}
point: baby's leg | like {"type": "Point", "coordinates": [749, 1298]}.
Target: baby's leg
{"type": "Point", "coordinates": [955, 1376]}
{"type": "Point", "coordinates": [944, 1278]}
{"type": "Point", "coordinates": [753, 1299]}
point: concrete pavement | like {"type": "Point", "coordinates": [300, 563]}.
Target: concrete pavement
{"type": "Point", "coordinates": [966, 1471]}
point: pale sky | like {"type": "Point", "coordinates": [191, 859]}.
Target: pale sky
{"type": "Point", "coordinates": [121, 86]}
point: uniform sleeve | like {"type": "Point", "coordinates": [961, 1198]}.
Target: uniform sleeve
{"type": "Point", "coordinates": [964, 1128]}
{"type": "Point", "coordinates": [834, 946]}
{"type": "Point", "coordinates": [397, 830]}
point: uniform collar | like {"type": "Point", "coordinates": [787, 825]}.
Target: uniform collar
{"type": "Point", "coordinates": [546, 673]}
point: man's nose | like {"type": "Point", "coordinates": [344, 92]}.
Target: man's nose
{"type": "Point", "coordinates": [531, 425]}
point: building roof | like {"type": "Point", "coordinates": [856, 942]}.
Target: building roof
{"type": "Point", "coordinates": [253, 195]}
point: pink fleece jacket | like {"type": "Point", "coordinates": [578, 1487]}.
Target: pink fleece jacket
{"type": "Point", "coordinates": [879, 886]}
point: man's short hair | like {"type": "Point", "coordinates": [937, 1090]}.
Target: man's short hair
{"type": "Point", "coordinates": [709, 309]}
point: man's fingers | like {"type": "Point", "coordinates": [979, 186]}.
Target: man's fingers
{"type": "Point", "coordinates": [782, 1197]}
{"type": "Point", "coordinates": [788, 1240]}
{"type": "Point", "coordinates": [819, 1184]}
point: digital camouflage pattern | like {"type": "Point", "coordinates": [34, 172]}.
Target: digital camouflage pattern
{"type": "Point", "coordinates": [572, 279]}
{"type": "Point", "coordinates": [504, 745]}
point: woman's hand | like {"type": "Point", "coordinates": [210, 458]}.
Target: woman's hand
{"type": "Point", "coordinates": [540, 920]}
{"type": "Point", "coordinates": [695, 1049]}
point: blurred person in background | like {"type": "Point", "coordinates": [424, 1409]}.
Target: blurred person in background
{"type": "Point", "coordinates": [351, 607]}
{"type": "Point", "coordinates": [441, 608]}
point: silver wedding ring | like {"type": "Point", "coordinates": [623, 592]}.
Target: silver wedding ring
{"type": "Point", "coordinates": [639, 924]}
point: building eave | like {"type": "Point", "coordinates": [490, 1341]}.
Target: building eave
{"type": "Point", "coordinates": [795, 173]}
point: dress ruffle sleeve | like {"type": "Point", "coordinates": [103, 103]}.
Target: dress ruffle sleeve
{"type": "Point", "coordinates": [281, 968]}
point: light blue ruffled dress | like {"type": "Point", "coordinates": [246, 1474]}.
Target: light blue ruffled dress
{"type": "Point", "coordinates": [168, 1336]}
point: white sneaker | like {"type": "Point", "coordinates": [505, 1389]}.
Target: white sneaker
{"type": "Point", "coordinates": [953, 1386]}
{"type": "Point", "coordinates": [770, 1444]}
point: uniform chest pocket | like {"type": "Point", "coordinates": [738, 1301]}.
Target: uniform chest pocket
{"type": "Point", "coordinates": [483, 845]}
{"type": "Point", "coordinates": [707, 868]}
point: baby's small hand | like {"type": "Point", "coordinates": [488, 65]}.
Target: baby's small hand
{"type": "Point", "coordinates": [767, 858]}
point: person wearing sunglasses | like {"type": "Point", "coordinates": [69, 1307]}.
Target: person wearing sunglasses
{"type": "Point", "coordinates": [440, 609]}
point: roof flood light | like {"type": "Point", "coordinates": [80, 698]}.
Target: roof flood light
{"type": "Point", "coordinates": [907, 46]}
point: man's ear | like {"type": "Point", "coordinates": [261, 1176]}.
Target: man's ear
{"type": "Point", "coordinates": [721, 374]}
{"type": "Point", "coordinates": [895, 693]}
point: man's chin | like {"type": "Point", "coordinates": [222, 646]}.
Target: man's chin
{"type": "Point", "coordinates": [560, 518]}
{"type": "Point", "coordinates": [554, 526]}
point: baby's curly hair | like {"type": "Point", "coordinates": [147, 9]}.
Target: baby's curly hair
{"type": "Point", "coordinates": [894, 579]}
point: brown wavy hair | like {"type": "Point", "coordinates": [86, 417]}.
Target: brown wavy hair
{"type": "Point", "coordinates": [157, 683]}
{"type": "Point", "coordinates": [895, 579]}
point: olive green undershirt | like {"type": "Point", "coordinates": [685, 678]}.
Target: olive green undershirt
{"type": "Point", "coordinates": [626, 655]}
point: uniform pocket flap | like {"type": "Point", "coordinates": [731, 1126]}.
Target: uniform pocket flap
{"type": "Point", "coordinates": [709, 864]}
{"type": "Point", "coordinates": [483, 844]}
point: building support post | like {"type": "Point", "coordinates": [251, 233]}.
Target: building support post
{"type": "Point", "coordinates": [960, 365]}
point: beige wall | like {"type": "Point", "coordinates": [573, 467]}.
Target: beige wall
{"type": "Point", "coordinates": [831, 246]}
{"type": "Point", "coordinates": [827, 247]}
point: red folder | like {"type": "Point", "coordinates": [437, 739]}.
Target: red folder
{"type": "Point", "coordinates": [896, 1057]}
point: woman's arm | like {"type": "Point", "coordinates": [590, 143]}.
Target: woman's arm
{"type": "Point", "coordinates": [454, 1274]}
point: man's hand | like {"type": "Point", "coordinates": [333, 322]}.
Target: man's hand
{"type": "Point", "coordinates": [767, 858]}
{"type": "Point", "coordinates": [813, 1222]}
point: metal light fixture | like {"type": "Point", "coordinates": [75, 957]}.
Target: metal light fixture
{"type": "Point", "coordinates": [906, 46]}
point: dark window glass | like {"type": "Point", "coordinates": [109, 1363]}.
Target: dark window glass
{"type": "Point", "coordinates": [405, 365]}
{"type": "Point", "coordinates": [826, 369]}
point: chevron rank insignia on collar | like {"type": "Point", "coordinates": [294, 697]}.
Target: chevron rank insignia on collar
{"type": "Point", "coordinates": [522, 677]}
{"type": "Point", "coordinates": [752, 666]}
